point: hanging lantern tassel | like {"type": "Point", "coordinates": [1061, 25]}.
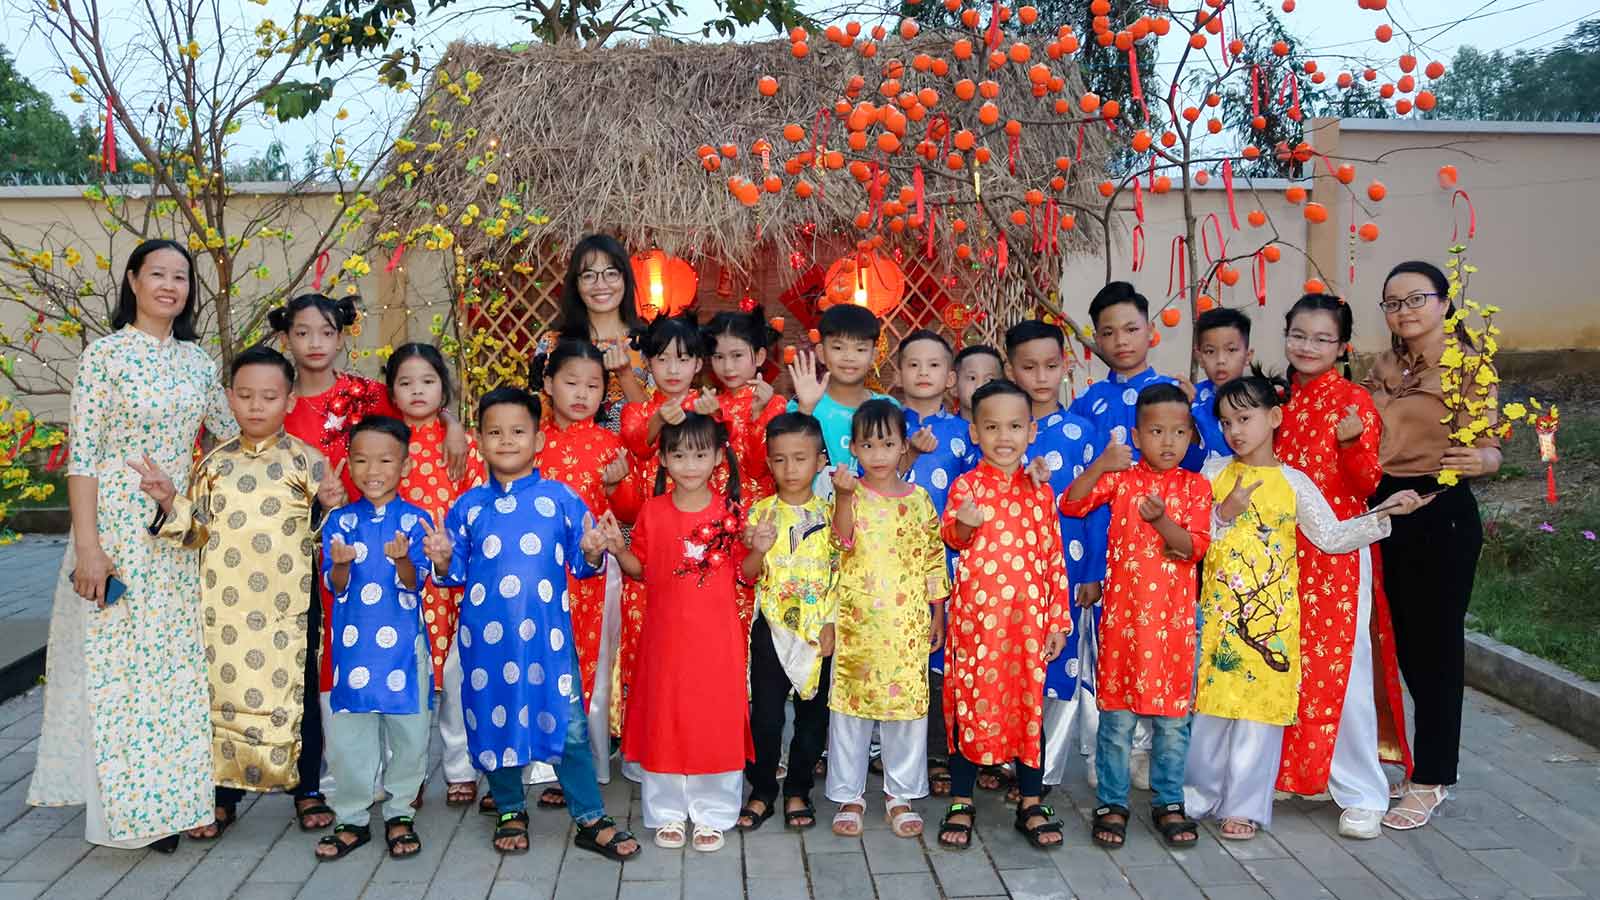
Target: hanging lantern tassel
{"type": "Point", "coordinates": [1545, 428]}
{"type": "Point", "coordinates": [1258, 277]}
{"type": "Point", "coordinates": [108, 145]}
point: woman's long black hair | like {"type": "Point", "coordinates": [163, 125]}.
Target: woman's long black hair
{"type": "Point", "coordinates": [698, 432]}
{"type": "Point", "coordinates": [573, 321]}
{"type": "Point", "coordinates": [127, 310]}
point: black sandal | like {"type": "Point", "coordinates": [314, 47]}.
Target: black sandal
{"type": "Point", "coordinates": [167, 845]}
{"type": "Point", "coordinates": [407, 838]}
{"type": "Point", "coordinates": [221, 824]}
{"type": "Point", "coordinates": [552, 798]}
{"type": "Point", "coordinates": [1035, 835]}
{"type": "Point", "coordinates": [589, 839]}
{"type": "Point", "coordinates": [1102, 824]}
{"type": "Point", "coordinates": [342, 849]}
{"type": "Point", "coordinates": [1172, 829]}
{"type": "Point", "coordinates": [757, 819]}
{"type": "Point", "coordinates": [997, 773]}
{"type": "Point", "coordinates": [945, 825]}
{"type": "Point", "coordinates": [791, 817]}
{"type": "Point", "coordinates": [939, 780]}
{"type": "Point", "coordinates": [318, 807]}
{"type": "Point", "coordinates": [486, 805]}
{"type": "Point", "coordinates": [504, 831]}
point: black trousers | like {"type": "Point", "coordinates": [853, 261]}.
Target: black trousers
{"type": "Point", "coordinates": [964, 777]}
{"type": "Point", "coordinates": [938, 736]}
{"type": "Point", "coordinates": [769, 693]}
{"type": "Point", "coordinates": [310, 763]}
{"type": "Point", "coordinates": [1429, 561]}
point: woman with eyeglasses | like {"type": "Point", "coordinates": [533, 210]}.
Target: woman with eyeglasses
{"type": "Point", "coordinates": [1433, 554]}
{"type": "Point", "coordinates": [1332, 433]}
{"type": "Point", "coordinates": [598, 306]}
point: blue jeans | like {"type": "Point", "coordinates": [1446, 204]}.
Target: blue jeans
{"type": "Point", "coordinates": [1170, 747]}
{"type": "Point", "coordinates": [575, 773]}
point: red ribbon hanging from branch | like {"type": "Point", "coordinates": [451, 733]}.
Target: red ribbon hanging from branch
{"type": "Point", "coordinates": [875, 194]}
{"type": "Point", "coordinates": [1205, 242]}
{"type": "Point", "coordinates": [1222, 39]}
{"type": "Point", "coordinates": [1077, 153]}
{"type": "Point", "coordinates": [1138, 201]}
{"type": "Point", "coordinates": [1138, 247]}
{"type": "Point", "coordinates": [1227, 189]}
{"type": "Point", "coordinates": [394, 258]}
{"type": "Point", "coordinates": [1258, 278]}
{"type": "Point", "coordinates": [1472, 216]}
{"type": "Point", "coordinates": [918, 186]}
{"type": "Point", "coordinates": [1255, 91]}
{"type": "Point", "coordinates": [992, 38]}
{"type": "Point", "coordinates": [1013, 150]}
{"type": "Point", "coordinates": [321, 269]}
{"type": "Point", "coordinates": [1133, 79]}
{"type": "Point", "coordinates": [108, 143]}
{"type": "Point", "coordinates": [1176, 262]}
{"type": "Point", "coordinates": [819, 133]}
{"type": "Point", "coordinates": [1291, 84]}
{"type": "Point", "coordinates": [927, 225]}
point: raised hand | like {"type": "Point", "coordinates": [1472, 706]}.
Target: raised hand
{"type": "Point", "coordinates": [1237, 501]}
{"type": "Point", "coordinates": [707, 403]}
{"type": "Point", "coordinates": [808, 388]}
{"type": "Point", "coordinates": [1116, 457]}
{"type": "Point", "coordinates": [330, 492]}
{"type": "Point", "coordinates": [616, 359]}
{"type": "Point", "coordinates": [969, 513]}
{"type": "Point", "coordinates": [615, 471]}
{"type": "Point", "coordinates": [1039, 471]}
{"type": "Point", "coordinates": [1187, 387]}
{"type": "Point", "coordinates": [924, 441]}
{"type": "Point", "coordinates": [397, 547]}
{"type": "Point", "coordinates": [671, 413]}
{"type": "Point", "coordinates": [760, 535]}
{"type": "Point", "coordinates": [760, 398]}
{"type": "Point", "coordinates": [437, 545]}
{"type": "Point", "coordinates": [340, 553]}
{"type": "Point", "coordinates": [1351, 426]}
{"type": "Point", "coordinates": [844, 480]}
{"type": "Point", "coordinates": [155, 482]}
{"type": "Point", "coordinates": [1152, 507]}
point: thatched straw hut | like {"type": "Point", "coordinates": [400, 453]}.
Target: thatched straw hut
{"type": "Point", "coordinates": [605, 140]}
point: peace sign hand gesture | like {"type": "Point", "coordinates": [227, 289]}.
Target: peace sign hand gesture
{"type": "Point", "coordinates": [437, 545]}
{"type": "Point", "coordinates": [330, 492]}
{"type": "Point", "coordinates": [155, 482]}
{"type": "Point", "coordinates": [1237, 501]}
{"type": "Point", "coordinates": [760, 535]}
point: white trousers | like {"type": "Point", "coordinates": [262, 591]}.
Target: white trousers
{"type": "Point", "coordinates": [1231, 769]}
{"type": "Point", "coordinates": [709, 800]}
{"type": "Point", "coordinates": [904, 756]}
{"type": "Point", "coordinates": [452, 723]}
{"type": "Point", "coordinates": [1081, 709]}
{"type": "Point", "coordinates": [1355, 777]}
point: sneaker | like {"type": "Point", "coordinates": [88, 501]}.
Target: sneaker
{"type": "Point", "coordinates": [1361, 824]}
{"type": "Point", "coordinates": [1139, 770]}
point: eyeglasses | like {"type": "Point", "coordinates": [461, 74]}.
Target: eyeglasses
{"type": "Point", "coordinates": [1314, 341]}
{"type": "Point", "coordinates": [608, 275]}
{"type": "Point", "coordinates": [1411, 301]}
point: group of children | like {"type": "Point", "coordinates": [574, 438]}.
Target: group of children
{"type": "Point", "coordinates": [940, 592]}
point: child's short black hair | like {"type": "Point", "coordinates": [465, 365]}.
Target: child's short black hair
{"type": "Point", "coordinates": [1114, 293]}
{"type": "Point", "coordinates": [429, 354]}
{"type": "Point", "coordinates": [750, 327]}
{"type": "Point", "coordinates": [1161, 393]}
{"type": "Point", "coordinates": [848, 320]}
{"type": "Point", "coordinates": [262, 355]}
{"type": "Point", "coordinates": [877, 418]}
{"type": "Point", "coordinates": [972, 350]}
{"type": "Point", "coordinates": [1222, 317]}
{"type": "Point", "coordinates": [698, 432]}
{"type": "Point", "coordinates": [1033, 330]}
{"type": "Point", "coordinates": [1000, 387]}
{"type": "Point", "coordinates": [388, 425]}
{"type": "Point", "coordinates": [1256, 390]}
{"type": "Point", "coordinates": [923, 334]}
{"type": "Point", "coordinates": [668, 330]}
{"type": "Point", "coordinates": [796, 423]}
{"type": "Point", "coordinates": [509, 394]}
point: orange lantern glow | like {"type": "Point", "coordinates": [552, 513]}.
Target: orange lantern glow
{"type": "Point", "coordinates": [866, 279]}
{"type": "Point", "coordinates": [662, 284]}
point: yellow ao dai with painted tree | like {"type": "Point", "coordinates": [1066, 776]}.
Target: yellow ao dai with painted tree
{"type": "Point", "coordinates": [893, 569]}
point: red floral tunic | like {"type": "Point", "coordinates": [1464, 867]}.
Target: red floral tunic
{"type": "Point", "coordinates": [324, 421]}
{"type": "Point", "coordinates": [749, 441]}
{"type": "Point", "coordinates": [428, 485]}
{"type": "Point", "coordinates": [1329, 584]}
{"type": "Point", "coordinates": [1010, 596]}
{"type": "Point", "coordinates": [1147, 624]}
{"type": "Point", "coordinates": [576, 456]}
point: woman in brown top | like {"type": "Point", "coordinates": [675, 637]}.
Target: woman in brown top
{"type": "Point", "coordinates": [1431, 555]}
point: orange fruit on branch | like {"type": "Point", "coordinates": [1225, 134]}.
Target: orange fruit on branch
{"type": "Point", "coordinates": [768, 86]}
{"type": "Point", "coordinates": [1170, 316]}
{"type": "Point", "coordinates": [1368, 232]}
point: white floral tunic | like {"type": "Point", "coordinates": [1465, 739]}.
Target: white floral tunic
{"type": "Point", "coordinates": [127, 725]}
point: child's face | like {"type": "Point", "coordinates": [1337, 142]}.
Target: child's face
{"type": "Point", "coordinates": [260, 399]}
{"type": "Point", "coordinates": [690, 466]}
{"type": "Point", "coordinates": [1312, 342]}
{"type": "Point", "coordinates": [734, 362]}
{"type": "Point", "coordinates": [976, 371]}
{"type": "Point", "coordinates": [848, 359]}
{"type": "Point", "coordinates": [601, 291]}
{"type": "Point", "coordinates": [794, 460]}
{"type": "Point", "coordinates": [1003, 427]}
{"type": "Point", "coordinates": [577, 389]}
{"type": "Point", "coordinates": [314, 342]}
{"type": "Point", "coordinates": [1163, 434]}
{"type": "Point", "coordinates": [1224, 353]}
{"type": "Point", "coordinates": [674, 370]}
{"type": "Point", "coordinates": [1037, 367]}
{"type": "Point", "coordinates": [925, 372]}
{"type": "Point", "coordinates": [507, 440]}
{"type": "Point", "coordinates": [1123, 335]}
{"type": "Point", "coordinates": [377, 463]}
{"type": "Point", "coordinates": [1248, 428]}
{"type": "Point", "coordinates": [879, 453]}
{"type": "Point", "coordinates": [418, 391]}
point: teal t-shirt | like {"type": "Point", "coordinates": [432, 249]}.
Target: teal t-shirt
{"type": "Point", "coordinates": [835, 420]}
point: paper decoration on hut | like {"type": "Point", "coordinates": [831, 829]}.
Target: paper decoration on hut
{"type": "Point", "coordinates": [865, 279]}
{"type": "Point", "coordinates": [664, 284]}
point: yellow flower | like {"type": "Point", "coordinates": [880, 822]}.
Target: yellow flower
{"type": "Point", "coordinates": [1515, 411]}
{"type": "Point", "coordinates": [492, 178]}
{"type": "Point", "coordinates": [78, 78]}
{"type": "Point", "coordinates": [72, 256]}
{"type": "Point", "coordinates": [1486, 376]}
{"type": "Point", "coordinates": [1448, 477]}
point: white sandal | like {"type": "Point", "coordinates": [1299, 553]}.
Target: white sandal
{"type": "Point", "coordinates": [850, 817]}
{"type": "Point", "coordinates": [1402, 819]}
{"type": "Point", "coordinates": [672, 835]}
{"type": "Point", "coordinates": [899, 822]}
{"type": "Point", "coordinates": [706, 831]}
{"type": "Point", "coordinates": [1237, 835]}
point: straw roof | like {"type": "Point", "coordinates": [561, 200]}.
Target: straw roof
{"type": "Point", "coordinates": [606, 139]}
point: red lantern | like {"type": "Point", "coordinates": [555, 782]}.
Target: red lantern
{"type": "Point", "coordinates": [663, 284]}
{"type": "Point", "coordinates": [865, 279]}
